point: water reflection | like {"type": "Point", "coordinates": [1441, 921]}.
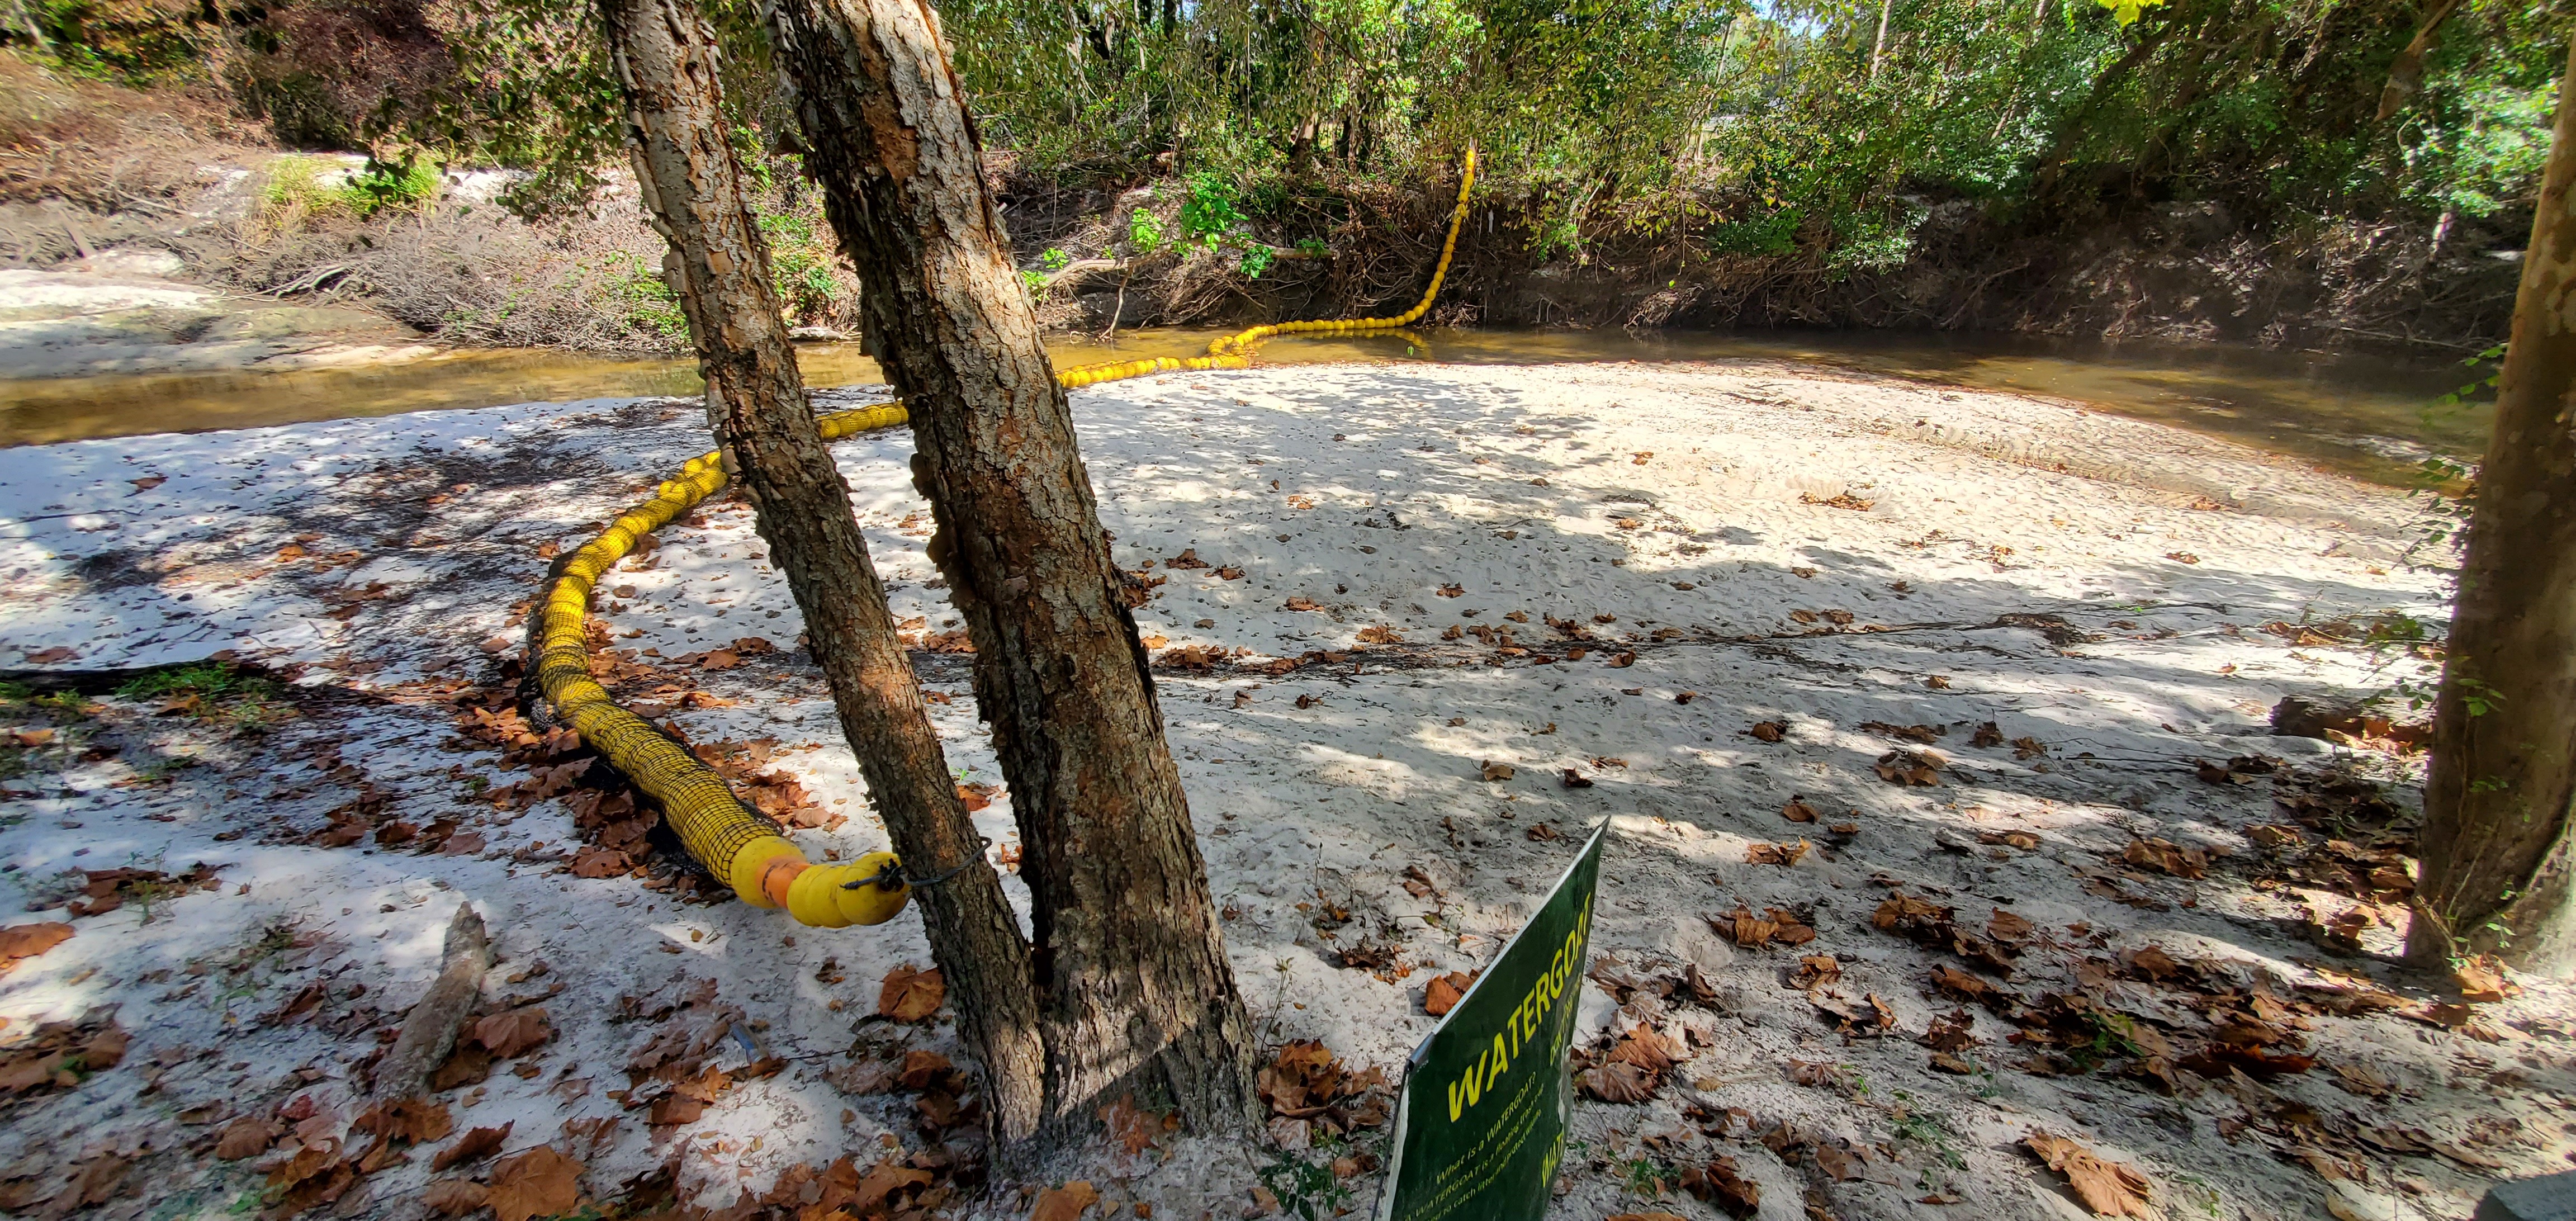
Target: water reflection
{"type": "Point", "coordinates": [2364, 416]}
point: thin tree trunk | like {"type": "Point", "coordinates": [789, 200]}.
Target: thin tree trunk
{"type": "Point", "coordinates": [2496, 869]}
{"type": "Point", "coordinates": [1137, 994]}
{"type": "Point", "coordinates": [2070, 126]}
{"type": "Point", "coordinates": [1878, 48]}
{"type": "Point", "coordinates": [2406, 72]}
{"type": "Point", "coordinates": [718, 265]}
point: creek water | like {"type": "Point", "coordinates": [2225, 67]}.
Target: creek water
{"type": "Point", "coordinates": [2367, 417]}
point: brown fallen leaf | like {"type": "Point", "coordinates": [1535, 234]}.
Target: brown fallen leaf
{"type": "Point", "coordinates": [1573, 779]}
{"type": "Point", "coordinates": [1541, 832]}
{"type": "Point", "coordinates": [2166, 857]}
{"type": "Point", "coordinates": [1617, 1082]}
{"type": "Point", "coordinates": [1775, 854]}
{"type": "Point", "coordinates": [454, 1197]}
{"type": "Point", "coordinates": [1648, 1050]}
{"type": "Point", "coordinates": [513, 1031]}
{"type": "Point", "coordinates": [1988, 734]}
{"type": "Point", "coordinates": [410, 1120]}
{"type": "Point", "coordinates": [1134, 1128]}
{"type": "Point", "coordinates": [248, 1136]}
{"type": "Point", "coordinates": [1913, 768]}
{"type": "Point", "coordinates": [911, 995]}
{"type": "Point", "coordinates": [1721, 1184]}
{"type": "Point", "coordinates": [1949, 1031]}
{"type": "Point", "coordinates": [1816, 971]}
{"type": "Point", "coordinates": [537, 1183]}
{"type": "Point", "coordinates": [1768, 731]}
{"type": "Point", "coordinates": [1798, 811]}
{"type": "Point", "coordinates": [1753, 932]}
{"type": "Point", "coordinates": [1444, 992]}
{"type": "Point", "coordinates": [28, 940]}
{"type": "Point", "coordinates": [2482, 979]}
{"type": "Point", "coordinates": [1925, 734]}
{"type": "Point", "coordinates": [476, 1145]}
{"type": "Point", "coordinates": [1064, 1203]}
{"type": "Point", "coordinates": [1491, 770]}
{"type": "Point", "coordinates": [1956, 984]}
{"type": "Point", "coordinates": [2110, 1189]}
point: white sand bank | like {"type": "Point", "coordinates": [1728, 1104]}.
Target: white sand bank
{"type": "Point", "coordinates": [2094, 583]}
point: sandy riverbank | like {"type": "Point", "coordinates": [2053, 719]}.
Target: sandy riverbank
{"type": "Point", "coordinates": [1845, 558]}
{"type": "Point", "coordinates": [124, 318]}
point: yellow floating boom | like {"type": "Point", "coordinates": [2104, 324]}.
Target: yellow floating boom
{"type": "Point", "coordinates": [734, 841]}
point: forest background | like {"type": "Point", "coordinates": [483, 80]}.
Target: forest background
{"type": "Point", "coordinates": [2310, 173]}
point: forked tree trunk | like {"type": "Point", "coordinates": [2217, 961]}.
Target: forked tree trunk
{"type": "Point", "coordinates": [719, 266]}
{"type": "Point", "coordinates": [2496, 868]}
{"type": "Point", "coordinates": [1131, 970]}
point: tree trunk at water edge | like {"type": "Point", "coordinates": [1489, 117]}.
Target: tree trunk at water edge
{"type": "Point", "coordinates": [2497, 801]}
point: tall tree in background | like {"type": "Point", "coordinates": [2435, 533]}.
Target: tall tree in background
{"type": "Point", "coordinates": [2497, 873]}
{"type": "Point", "coordinates": [1130, 969]}
{"type": "Point", "coordinates": [694, 191]}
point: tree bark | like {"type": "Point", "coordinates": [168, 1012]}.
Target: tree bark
{"type": "Point", "coordinates": [693, 189]}
{"type": "Point", "coordinates": [2496, 868]}
{"type": "Point", "coordinates": [1136, 992]}
{"type": "Point", "coordinates": [2406, 72]}
{"type": "Point", "coordinates": [1878, 47]}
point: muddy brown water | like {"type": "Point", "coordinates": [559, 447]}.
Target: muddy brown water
{"type": "Point", "coordinates": [2367, 417]}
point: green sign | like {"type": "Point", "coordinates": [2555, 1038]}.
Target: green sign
{"type": "Point", "coordinates": [1480, 1125]}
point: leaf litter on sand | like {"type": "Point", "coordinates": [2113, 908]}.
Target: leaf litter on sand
{"type": "Point", "coordinates": [1753, 932]}
{"type": "Point", "coordinates": [910, 994]}
{"type": "Point", "coordinates": [2110, 1189]}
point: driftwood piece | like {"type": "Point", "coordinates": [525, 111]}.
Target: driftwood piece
{"type": "Point", "coordinates": [429, 1030]}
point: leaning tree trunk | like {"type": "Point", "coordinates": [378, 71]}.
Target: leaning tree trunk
{"type": "Point", "coordinates": [1130, 967]}
{"type": "Point", "coordinates": [2496, 868]}
{"type": "Point", "coordinates": [719, 266]}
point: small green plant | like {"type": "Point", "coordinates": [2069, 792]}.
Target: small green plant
{"type": "Point", "coordinates": [1927, 1130]}
{"type": "Point", "coordinates": [64, 707]}
{"type": "Point", "coordinates": [1256, 259]}
{"type": "Point", "coordinates": [2111, 1040]}
{"type": "Point", "coordinates": [300, 188]}
{"type": "Point", "coordinates": [1033, 280]}
{"type": "Point", "coordinates": [1304, 1188]}
{"type": "Point", "coordinates": [2477, 697]}
{"type": "Point", "coordinates": [405, 186]}
{"type": "Point", "coordinates": [147, 889]}
{"type": "Point", "coordinates": [800, 267]}
{"type": "Point", "coordinates": [201, 678]}
{"type": "Point", "coordinates": [1212, 209]}
{"type": "Point", "coordinates": [1647, 1177]}
{"type": "Point", "coordinates": [210, 690]}
{"type": "Point", "coordinates": [1313, 247]}
{"type": "Point", "coordinates": [1144, 231]}
{"type": "Point", "coordinates": [1054, 259]}
{"type": "Point", "coordinates": [645, 302]}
